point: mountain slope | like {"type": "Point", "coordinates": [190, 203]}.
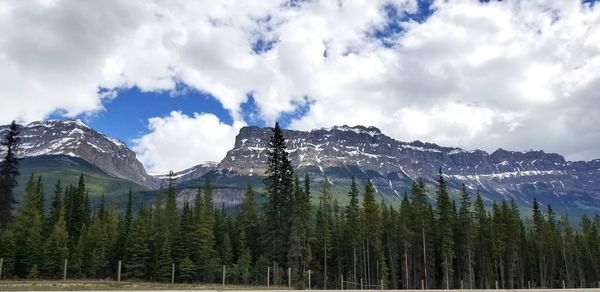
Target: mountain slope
{"type": "Point", "coordinates": [76, 139]}
{"type": "Point", "coordinates": [341, 152]}
{"type": "Point", "coordinates": [68, 169]}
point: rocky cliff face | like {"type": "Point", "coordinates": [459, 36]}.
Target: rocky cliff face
{"type": "Point", "coordinates": [343, 151]}
{"type": "Point", "coordinates": [337, 154]}
{"type": "Point", "coordinates": [74, 138]}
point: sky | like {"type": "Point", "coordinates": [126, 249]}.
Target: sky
{"type": "Point", "coordinates": [176, 80]}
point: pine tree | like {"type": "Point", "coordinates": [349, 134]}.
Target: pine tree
{"type": "Point", "coordinates": [80, 258]}
{"type": "Point", "coordinates": [371, 233]}
{"type": "Point", "coordinates": [352, 222]}
{"type": "Point", "coordinates": [41, 199]}
{"type": "Point", "coordinates": [57, 249]}
{"type": "Point", "coordinates": [56, 206]}
{"type": "Point", "coordinates": [323, 231]}
{"type": "Point", "coordinates": [110, 221]}
{"type": "Point", "coordinates": [165, 263]}
{"type": "Point", "coordinates": [568, 251]}
{"type": "Point", "coordinates": [204, 236]}
{"type": "Point", "coordinates": [279, 186]}
{"type": "Point", "coordinates": [125, 227]}
{"type": "Point", "coordinates": [170, 214]}
{"type": "Point", "coordinates": [8, 253]}
{"type": "Point", "coordinates": [137, 250]}
{"type": "Point", "coordinates": [75, 211]}
{"type": "Point", "coordinates": [260, 268]}
{"type": "Point", "coordinates": [482, 245]}
{"type": "Point", "coordinates": [248, 222]}
{"type": "Point", "coordinates": [464, 239]}
{"type": "Point", "coordinates": [406, 233]}
{"type": "Point", "coordinates": [445, 236]}
{"type": "Point", "coordinates": [539, 225]}
{"type": "Point", "coordinates": [34, 246]}
{"type": "Point", "coordinates": [102, 208]}
{"type": "Point", "coordinates": [87, 209]}
{"type": "Point", "coordinates": [299, 232]}
{"type": "Point", "coordinates": [186, 270]}
{"type": "Point", "coordinates": [227, 254]}
{"type": "Point", "coordinates": [244, 261]}
{"type": "Point", "coordinates": [28, 228]}
{"type": "Point", "coordinates": [184, 247]}
{"type": "Point", "coordinates": [9, 170]}
{"type": "Point", "coordinates": [158, 231]}
{"type": "Point", "coordinates": [423, 236]}
{"type": "Point", "coordinates": [33, 273]}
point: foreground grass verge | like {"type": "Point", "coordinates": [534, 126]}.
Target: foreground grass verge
{"type": "Point", "coordinates": [79, 285]}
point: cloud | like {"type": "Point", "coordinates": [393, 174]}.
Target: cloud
{"type": "Point", "coordinates": [512, 74]}
{"type": "Point", "coordinates": [179, 141]}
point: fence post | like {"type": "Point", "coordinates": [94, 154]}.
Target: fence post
{"type": "Point", "coordinates": [173, 273]}
{"type": "Point", "coordinates": [309, 287]}
{"type": "Point", "coordinates": [563, 282]}
{"type": "Point", "coordinates": [119, 272]}
{"type": "Point", "coordinates": [223, 275]}
{"type": "Point", "coordinates": [529, 284]}
{"type": "Point", "coordinates": [289, 277]}
{"type": "Point", "coordinates": [496, 284]}
{"type": "Point", "coordinates": [381, 284]}
{"type": "Point", "coordinates": [342, 281]}
{"type": "Point", "coordinates": [461, 285]}
{"type": "Point", "coordinates": [65, 270]}
{"type": "Point", "coordinates": [422, 284]}
{"type": "Point", "coordinates": [361, 284]}
{"type": "Point", "coordinates": [1, 263]}
{"type": "Point", "coordinates": [268, 276]}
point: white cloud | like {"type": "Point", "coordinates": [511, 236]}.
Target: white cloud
{"type": "Point", "coordinates": [513, 74]}
{"type": "Point", "coordinates": [178, 141]}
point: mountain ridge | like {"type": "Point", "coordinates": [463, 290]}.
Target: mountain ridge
{"type": "Point", "coordinates": [501, 174]}
{"type": "Point", "coordinates": [77, 139]}
{"type": "Point", "coordinates": [339, 153]}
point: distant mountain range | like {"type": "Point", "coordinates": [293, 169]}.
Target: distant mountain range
{"type": "Point", "coordinates": [337, 154]}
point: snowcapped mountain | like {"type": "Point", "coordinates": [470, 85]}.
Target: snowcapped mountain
{"type": "Point", "coordinates": [191, 173]}
{"type": "Point", "coordinates": [343, 151]}
{"type": "Point", "coordinates": [338, 153]}
{"type": "Point", "coordinates": [74, 138]}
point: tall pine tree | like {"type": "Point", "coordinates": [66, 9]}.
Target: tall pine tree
{"type": "Point", "coordinates": [279, 185]}
{"type": "Point", "coordinates": [445, 220]}
{"type": "Point", "coordinates": [9, 170]}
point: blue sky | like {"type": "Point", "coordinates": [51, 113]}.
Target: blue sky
{"type": "Point", "coordinates": [126, 116]}
{"type": "Point", "coordinates": [178, 79]}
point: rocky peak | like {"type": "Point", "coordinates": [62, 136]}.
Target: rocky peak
{"type": "Point", "coordinates": [504, 173]}
{"type": "Point", "coordinates": [75, 138]}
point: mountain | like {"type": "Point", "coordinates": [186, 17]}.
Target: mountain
{"type": "Point", "coordinates": [75, 139]}
{"type": "Point", "coordinates": [68, 169]}
{"type": "Point", "coordinates": [341, 152]}
{"type": "Point", "coordinates": [331, 155]}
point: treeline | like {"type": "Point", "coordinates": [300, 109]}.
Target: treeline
{"type": "Point", "coordinates": [454, 244]}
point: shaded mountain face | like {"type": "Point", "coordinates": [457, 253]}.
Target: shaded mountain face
{"type": "Point", "coordinates": [76, 139]}
{"type": "Point", "coordinates": [343, 151]}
